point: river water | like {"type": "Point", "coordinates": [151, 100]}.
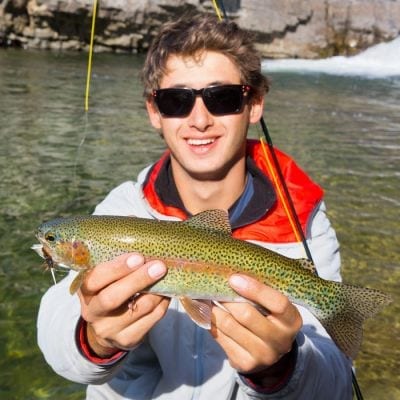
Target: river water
{"type": "Point", "coordinates": [56, 160]}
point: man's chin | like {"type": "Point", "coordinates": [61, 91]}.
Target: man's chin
{"type": "Point", "coordinates": [210, 175]}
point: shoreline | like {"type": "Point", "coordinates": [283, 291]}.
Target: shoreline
{"type": "Point", "coordinates": [285, 29]}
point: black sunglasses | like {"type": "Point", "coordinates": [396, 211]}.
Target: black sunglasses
{"type": "Point", "coordinates": [219, 100]}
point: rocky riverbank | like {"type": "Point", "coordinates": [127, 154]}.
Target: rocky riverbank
{"type": "Point", "coordinates": [285, 28]}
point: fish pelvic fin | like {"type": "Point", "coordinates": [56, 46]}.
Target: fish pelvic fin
{"type": "Point", "coordinates": [198, 310]}
{"type": "Point", "coordinates": [358, 304]}
{"type": "Point", "coordinates": [77, 282]}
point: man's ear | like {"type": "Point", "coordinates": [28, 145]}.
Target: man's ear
{"type": "Point", "coordinates": [256, 109]}
{"type": "Point", "coordinates": [154, 115]}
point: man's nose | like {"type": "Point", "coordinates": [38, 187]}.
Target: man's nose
{"type": "Point", "coordinates": [200, 117]}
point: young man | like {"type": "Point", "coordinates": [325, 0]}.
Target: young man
{"type": "Point", "coordinates": [203, 87]}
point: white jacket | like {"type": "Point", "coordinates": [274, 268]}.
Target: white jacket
{"type": "Point", "coordinates": [179, 360]}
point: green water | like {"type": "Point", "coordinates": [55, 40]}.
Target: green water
{"type": "Point", "coordinates": [55, 160]}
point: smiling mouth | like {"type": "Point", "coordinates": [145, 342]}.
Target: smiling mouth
{"type": "Point", "coordinates": [200, 142]}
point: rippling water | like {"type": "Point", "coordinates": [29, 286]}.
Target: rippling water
{"type": "Point", "coordinates": [56, 160]}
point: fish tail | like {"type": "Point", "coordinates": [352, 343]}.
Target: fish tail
{"type": "Point", "coordinates": [357, 304]}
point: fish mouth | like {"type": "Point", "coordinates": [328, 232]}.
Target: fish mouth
{"type": "Point", "coordinates": [38, 248]}
{"type": "Point", "coordinates": [43, 252]}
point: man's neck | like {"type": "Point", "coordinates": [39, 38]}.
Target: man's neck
{"type": "Point", "coordinates": [200, 195]}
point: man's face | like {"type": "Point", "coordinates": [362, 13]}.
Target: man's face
{"type": "Point", "coordinates": [202, 145]}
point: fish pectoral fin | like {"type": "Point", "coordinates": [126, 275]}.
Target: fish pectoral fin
{"type": "Point", "coordinates": [77, 282]}
{"type": "Point", "coordinates": [198, 310]}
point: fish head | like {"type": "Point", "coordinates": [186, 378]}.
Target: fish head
{"type": "Point", "coordinates": [60, 247]}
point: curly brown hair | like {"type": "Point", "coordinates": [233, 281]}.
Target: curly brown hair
{"type": "Point", "coordinates": [190, 35]}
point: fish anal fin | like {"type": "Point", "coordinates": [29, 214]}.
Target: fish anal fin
{"type": "Point", "coordinates": [77, 282]}
{"type": "Point", "coordinates": [198, 310]}
{"type": "Point", "coordinates": [217, 220]}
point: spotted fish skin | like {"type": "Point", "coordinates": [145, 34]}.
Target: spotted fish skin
{"type": "Point", "coordinates": [201, 255]}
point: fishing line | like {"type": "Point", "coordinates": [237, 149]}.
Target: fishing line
{"type": "Point", "coordinates": [222, 7]}
{"type": "Point", "coordinates": [53, 275]}
{"type": "Point", "coordinates": [90, 56]}
{"type": "Point", "coordinates": [87, 91]}
{"type": "Point", "coordinates": [286, 198]}
{"type": "Point", "coordinates": [78, 153]}
{"type": "Point", "coordinates": [217, 10]}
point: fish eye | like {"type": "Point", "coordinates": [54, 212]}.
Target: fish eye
{"type": "Point", "coordinates": [50, 237]}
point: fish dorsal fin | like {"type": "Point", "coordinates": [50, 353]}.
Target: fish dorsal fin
{"type": "Point", "coordinates": [217, 220]}
{"type": "Point", "coordinates": [307, 264]}
{"type": "Point", "coordinates": [198, 310]}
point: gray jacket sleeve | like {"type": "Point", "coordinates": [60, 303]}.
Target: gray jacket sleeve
{"type": "Point", "coordinates": [58, 319]}
{"type": "Point", "coordinates": [57, 322]}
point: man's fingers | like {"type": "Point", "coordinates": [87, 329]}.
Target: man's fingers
{"type": "Point", "coordinates": [278, 305]}
{"type": "Point", "coordinates": [107, 272]}
{"type": "Point", "coordinates": [120, 291]}
{"type": "Point", "coordinates": [138, 280]}
{"type": "Point", "coordinates": [246, 351]}
{"type": "Point", "coordinates": [236, 354]}
{"type": "Point", "coordinates": [250, 338]}
{"type": "Point", "coordinates": [132, 334]}
{"type": "Point", "coordinates": [126, 331]}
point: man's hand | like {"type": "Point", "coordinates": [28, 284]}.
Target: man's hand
{"type": "Point", "coordinates": [251, 340]}
{"type": "Point", "coordinates": [116, 317]}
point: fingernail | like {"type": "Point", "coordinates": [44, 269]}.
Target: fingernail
{"type": "Point", "coordinates": [156, 270]}
{"type": "Point", "coordinates": [134, 261]}
{"type": "Point", "coordinates": [238, 282]}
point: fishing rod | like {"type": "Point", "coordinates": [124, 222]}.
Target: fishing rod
{"type": "Point", "coordinates": [286, 199]}
{"type": "Point", "coordinates": [290, 209]}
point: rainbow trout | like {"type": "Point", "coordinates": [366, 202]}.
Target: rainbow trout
{"type": "Point", "coordinates": [201, 254]}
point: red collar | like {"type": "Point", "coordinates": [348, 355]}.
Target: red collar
{"type": "Point", "coordinates": [256, 200]}
{"type": "Point", "coordinates": [269, 222]}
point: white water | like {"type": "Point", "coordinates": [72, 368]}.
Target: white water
{"type": "Point", "coordinates": [380, 61]}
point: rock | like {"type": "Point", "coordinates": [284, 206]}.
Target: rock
{"type": "Point", "coordinates": [285, 28]}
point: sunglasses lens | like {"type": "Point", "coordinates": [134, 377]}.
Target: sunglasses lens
{"type": "Point", "coordinates": [219, 100]}
{"type": "Point", "coordinates": [227, 99]}
{"type": "Point", "coordinates": [174, 102]}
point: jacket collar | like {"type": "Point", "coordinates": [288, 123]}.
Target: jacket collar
{"type": "Point", "coordinates": [256, 200]}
